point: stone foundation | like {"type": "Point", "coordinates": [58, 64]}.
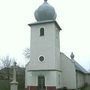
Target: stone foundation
{"type": "Point", "coordinates": [51, 88]}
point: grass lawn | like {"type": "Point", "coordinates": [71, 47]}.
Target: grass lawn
{"type": "Point", "coordinates": [87, 88]}
{"type": "Point", "coordinates": [4, 85]}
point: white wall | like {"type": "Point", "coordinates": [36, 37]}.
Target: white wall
{"type": "Point", "coordinates": [47, 46]}
{"type": "Point", "coordinates": [87, 78]}
{"type": "Point", "coordinates": [51, 78]}
{"type": "Point", "coordinates": [59, 80]}
{"type": "Point", "coordinates": [68, 72]}
{"type": "Point", "coordinates": [57, 49]}
{"type": "Point", "coordinates": [80, 79]}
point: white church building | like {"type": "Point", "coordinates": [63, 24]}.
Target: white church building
{"type": "Point", "coordinates": [48, 68]}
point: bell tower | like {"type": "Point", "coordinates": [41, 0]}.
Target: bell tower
{"type": "Point", "coordinates": [43, 72]}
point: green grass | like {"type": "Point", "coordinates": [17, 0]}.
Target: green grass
{"type": "Point", "coordinates": [4, 85]}
{"type": "Point", "coordinates": [87, 88]}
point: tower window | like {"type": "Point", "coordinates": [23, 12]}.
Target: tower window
{"type": "Point", "coordinates": [42, 32]}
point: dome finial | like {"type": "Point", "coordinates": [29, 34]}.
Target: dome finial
{"type": "Point", "coordinates": [45, 0]}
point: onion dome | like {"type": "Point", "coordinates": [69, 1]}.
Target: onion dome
{"type": "Point", "coordinates": [45, 12]}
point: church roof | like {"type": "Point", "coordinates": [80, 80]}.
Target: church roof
{"type": "Point", "coordinates": [78, 67]}
{"type": "Point", "coordinates": [47, 21]}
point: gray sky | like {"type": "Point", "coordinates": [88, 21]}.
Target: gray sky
{"type": "Point", "coordinates": [72, 15]}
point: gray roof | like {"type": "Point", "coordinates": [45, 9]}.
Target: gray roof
{"type": "Point", "coordinates": [47, 21]}
{"type": "Point", "coordinates": [79, 67]}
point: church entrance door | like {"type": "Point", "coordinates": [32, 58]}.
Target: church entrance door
{"type": "Point", "coordinates": [41, 83]}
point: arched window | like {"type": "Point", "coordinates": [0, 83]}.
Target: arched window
{"type": "Point", "coordinates": [41, 31]}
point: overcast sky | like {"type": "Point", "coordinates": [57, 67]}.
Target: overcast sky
{"type": "Point", "coordinates": [72, 15]}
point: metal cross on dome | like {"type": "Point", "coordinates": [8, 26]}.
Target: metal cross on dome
{"type": "Point", "coordinates": [45, 0]}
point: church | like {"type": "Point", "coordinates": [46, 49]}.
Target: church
{"type": "Point", "coordinates": [48, 68]}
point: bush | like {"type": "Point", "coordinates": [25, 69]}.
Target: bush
{"type": "Point", "coordinates": [64, 88]}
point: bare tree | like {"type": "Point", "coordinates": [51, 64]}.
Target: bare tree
{"type": "Point", "coordinates": [6, 64]}
{"type": "Point", "coordinates": [27, 53]}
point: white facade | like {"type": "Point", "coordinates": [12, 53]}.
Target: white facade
{"type": "Point", "coordinates": [87, 78]}
{"type": "Point", "coordinates": [74, 76]}
{"type": "Point", "coordinates": [80, 79]}
{"type": "Point", "coordinates": [48, 47]}
{"type": "Point", "coordinates": [68, 72]}
{"type": "Point", "coordinates": [52, 78]}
